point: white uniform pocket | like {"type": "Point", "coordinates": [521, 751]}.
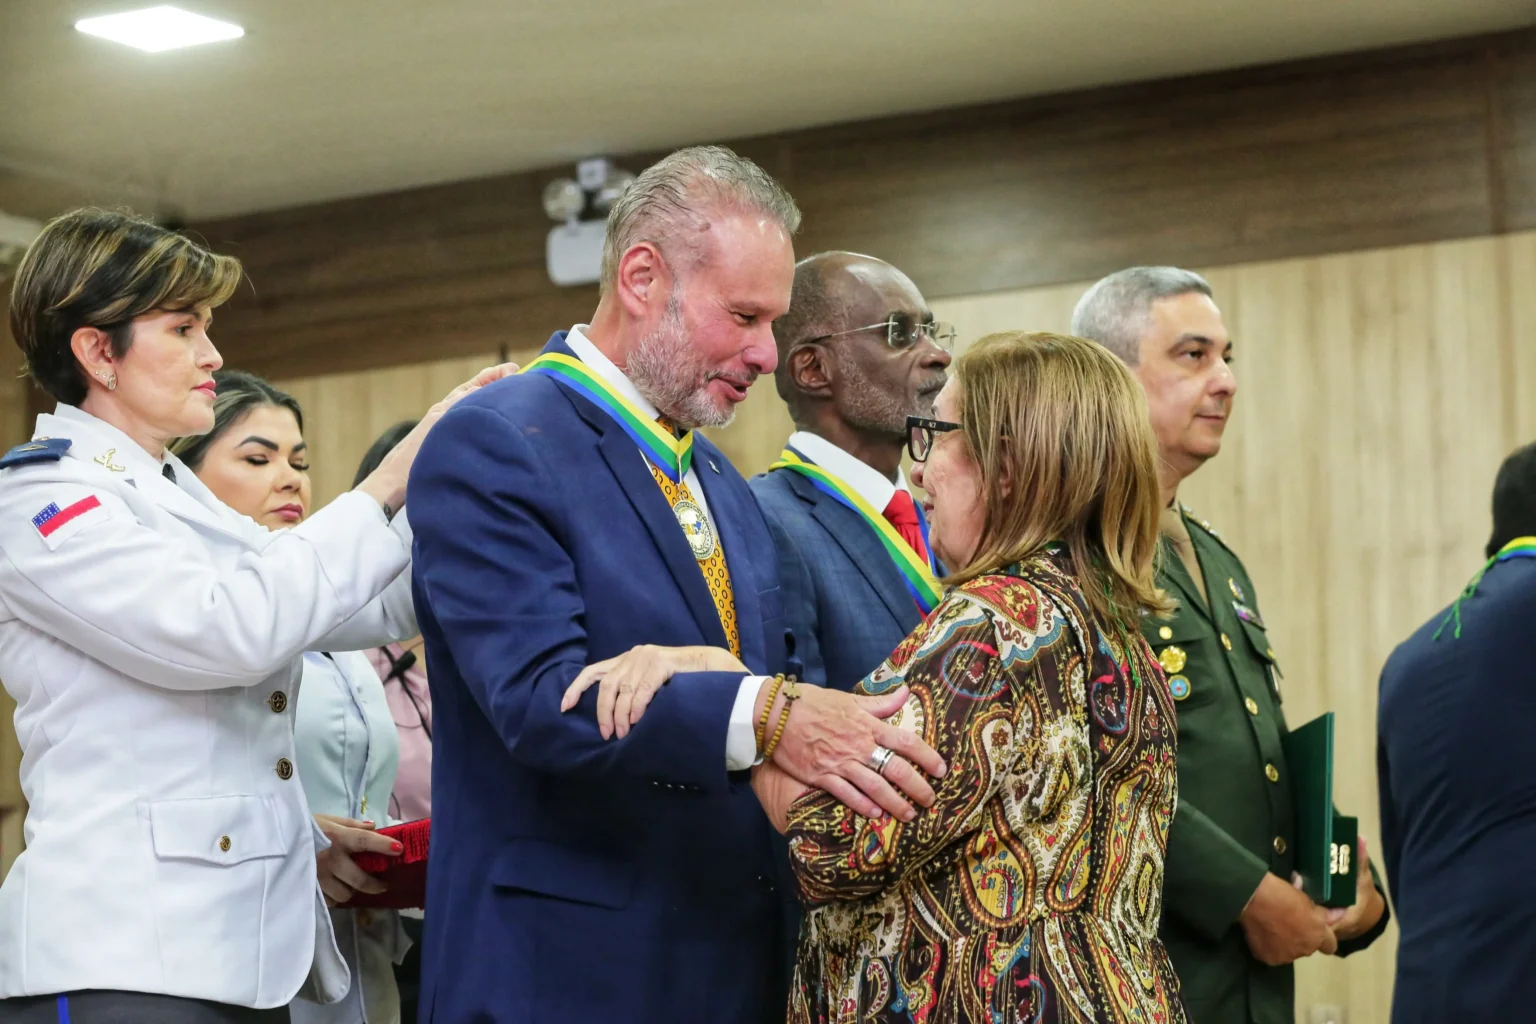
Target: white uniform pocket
{"type": "Point", "coordinates": [217, 829]}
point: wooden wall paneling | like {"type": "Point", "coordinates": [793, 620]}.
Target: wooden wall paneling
{"type": "Point", "coordinates": [1336, 154]}
{"type": "Point", "coordinates": [344, 413]}
{"type": "Point", "coordinates": [1512, 103]}
{"type": "Point", "coordinates": [12, 838]}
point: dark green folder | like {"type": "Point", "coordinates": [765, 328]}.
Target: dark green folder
{"type": "Point", "coordinates": [1325, 841]}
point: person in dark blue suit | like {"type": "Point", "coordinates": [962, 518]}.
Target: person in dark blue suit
{"type": "Point", "coordinates": [602, 870]}
{"type": "Point", "coordinates": [1456, 768]}
{"type": "Point", "coordinates": [859, 351]}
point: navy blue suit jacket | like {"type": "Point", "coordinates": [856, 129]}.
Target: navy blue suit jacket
{"type": "Point", "coordinates": [1456, 757]}
{"type": "Point", "coordinates": [573, 878]}
{"type": "Point", "coordinates": [844, 599]}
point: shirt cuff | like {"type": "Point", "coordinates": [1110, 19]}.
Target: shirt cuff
{"type": "Point", "coordinates": [740, 736]}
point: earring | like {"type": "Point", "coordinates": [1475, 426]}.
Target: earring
{"type": "Point", "coordinates": [109, 379]}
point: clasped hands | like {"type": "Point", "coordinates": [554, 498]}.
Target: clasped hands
{"type": "Point", "coordinates": [1282, 925]}
{"type": "Point", "coordinates": [828, 738]}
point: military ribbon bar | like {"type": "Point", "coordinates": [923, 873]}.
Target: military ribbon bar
{"type": "Point", "coordinates": [671, 455]}
{"type": "Point", "coordinates": [919, 575]}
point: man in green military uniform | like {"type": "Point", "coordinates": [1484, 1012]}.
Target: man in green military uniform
{"type": "Point", "coordinates": [1233, 921]}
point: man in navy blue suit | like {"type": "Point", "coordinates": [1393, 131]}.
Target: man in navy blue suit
{"type": "Point", "coordinates": [588, 866]}
{"type": "Point", "coordinates": [859, 351]}
{"type": "Point", "coordinates": [1456, 770]}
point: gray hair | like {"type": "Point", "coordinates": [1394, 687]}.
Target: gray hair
{"type": "Point", "coordinates": [1115, 311]}
{"type": "Point", "coordinates": [670, 199]}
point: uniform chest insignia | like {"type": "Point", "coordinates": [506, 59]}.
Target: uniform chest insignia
{"type": "Point", "coordinates": [105, 459]}
{"type": "Point", "coordinates": [41, 449]}
{"type": "Point", "coordinates": [1237, 591]}
{"type": "Point", "coordinates": [1178, 686]}
{"type": "Point", "coordinates": [1173, 660]}
{"type": "Point", "coordinates": [1247, 614]}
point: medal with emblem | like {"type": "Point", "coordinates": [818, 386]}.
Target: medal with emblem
{"type": "Point", "coordinates": [695, 527]}
{"type": "Point", "coordinates": [1172, 659]}
{"type": "Point", "coordinates": [1178, 687]}
{"type": "Point", "coordinates": [1237, 591]}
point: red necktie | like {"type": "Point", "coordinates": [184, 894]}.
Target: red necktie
{"type": "Point", "coordinates": [902, 514]}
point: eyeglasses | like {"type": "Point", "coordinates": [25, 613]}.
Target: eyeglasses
{"type": "Point", "coordinates": [920, 435]}
{"type": "Point", "coordinates": [903, 332]}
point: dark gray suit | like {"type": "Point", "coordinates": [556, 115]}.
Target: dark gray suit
{"type": "Point", "coordinates": [844, 600]}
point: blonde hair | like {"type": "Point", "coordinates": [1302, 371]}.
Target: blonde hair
{"type": "Point", "coordinates": [100, 268]}
{"type": "Point", "coordinates": [1060, 432]}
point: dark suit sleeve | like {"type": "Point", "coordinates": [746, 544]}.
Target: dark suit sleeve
{"type": "Point", "coordinates": [800, 615]}
{"type": "Point", "coordinates": [493, 571]}
{"type": "Point", "coordinates": [1209, 876]}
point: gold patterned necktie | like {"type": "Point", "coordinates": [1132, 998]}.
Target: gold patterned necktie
{"type": "Point", "coordinates": [716, 575]}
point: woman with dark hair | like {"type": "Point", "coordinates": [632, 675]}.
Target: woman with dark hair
{"type": "Point", "coordinates": [255, 460]}
{"type": "Point", "coordinates": [151, 638]}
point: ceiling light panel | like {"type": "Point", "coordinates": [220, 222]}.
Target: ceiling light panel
{"type": "Point", "coordinates": [154, 29]}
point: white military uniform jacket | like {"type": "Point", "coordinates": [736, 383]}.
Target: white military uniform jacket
{"type": "Point", "coordinates": [152, 640]}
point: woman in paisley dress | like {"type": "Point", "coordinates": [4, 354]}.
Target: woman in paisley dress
{"type": "Point", "coordinates": [1031, 889]}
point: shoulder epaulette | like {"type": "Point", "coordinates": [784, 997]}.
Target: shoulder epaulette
{"type": "Point", "coordinates": [1204, 524]}
{"type": "Point", "coordinates": [44, 449]}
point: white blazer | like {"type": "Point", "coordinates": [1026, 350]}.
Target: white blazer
{"type": "Point", "coordinates": [348, 754]}
{"type": "Point", "coordinates": [152, 640]}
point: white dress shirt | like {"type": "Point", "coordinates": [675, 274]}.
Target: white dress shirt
{"type": "Point", "coordinates": [740, 737]}
{"type": "Point", "coordinates": [865, 480]}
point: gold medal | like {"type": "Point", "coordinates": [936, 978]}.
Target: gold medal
{"type": "Point", "coordinates": [695, 527]}
{"type": "Point", "coordinates": [1172, 659]}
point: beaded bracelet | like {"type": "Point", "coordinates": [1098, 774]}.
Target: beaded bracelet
{"type": "Point", "coordinates": [791, 694]}
{"type": "Point", "coordinates": [760, 733]}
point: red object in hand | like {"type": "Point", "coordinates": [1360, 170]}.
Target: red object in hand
{"type": "Point", "coordinates": [406, 875]}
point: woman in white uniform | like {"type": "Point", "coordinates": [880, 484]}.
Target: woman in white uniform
{"type": "Point", "coordinates": [152, 639]}
{"type": "Point", "coordinates": [256, 461]}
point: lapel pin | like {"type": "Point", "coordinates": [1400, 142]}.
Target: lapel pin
{"type": "Point", "coordinates": [713, 466]}
{"type": "Point", "coordinates": [105, 459]}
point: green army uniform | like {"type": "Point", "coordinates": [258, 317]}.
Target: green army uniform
{"type": "Point", "coordinates": [1236, 816]}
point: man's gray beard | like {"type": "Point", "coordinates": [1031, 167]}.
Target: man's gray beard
{"type": "Point", "coordinates": [866, 407]}
{"type": "Point", "coordinates": [673, 377]}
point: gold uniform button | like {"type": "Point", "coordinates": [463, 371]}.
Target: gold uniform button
{"type": "Point", "coordinates": [1252, 706]}
{"type": "Point", "coordinates": [1272, 773]}
{"type": "Point", "coordinates": [224, 843]}
{"type": "Point", "coordinates": [284, 769]}
{"type": "Point", "coordinates": [1226, 641]}
{"type": "Point", "coordinates": [1166, 633]}
{"type": "Point", "coordinates": [278, 702]}
{"type": "Point", "coordinates": [1280, 844]}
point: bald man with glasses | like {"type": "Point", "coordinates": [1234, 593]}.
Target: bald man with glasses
{"type": "Point", "coordinates": [859, 352]}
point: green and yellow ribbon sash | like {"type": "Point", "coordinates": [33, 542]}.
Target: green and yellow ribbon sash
{"type": "Point", "coordinates": [1520, 547]}
{"type": "Point", "coordinates": [670, 454]}
{"type": "Point", "coordinates": [920, 576]}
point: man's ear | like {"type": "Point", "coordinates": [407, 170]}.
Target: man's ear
{"type": "Point", "coordinates": [813, 370]}
{"type": "Point", "coordinates": [643, 278]}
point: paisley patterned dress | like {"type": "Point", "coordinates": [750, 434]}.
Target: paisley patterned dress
{"type": "Point", "coordinates": [1031, 890]}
